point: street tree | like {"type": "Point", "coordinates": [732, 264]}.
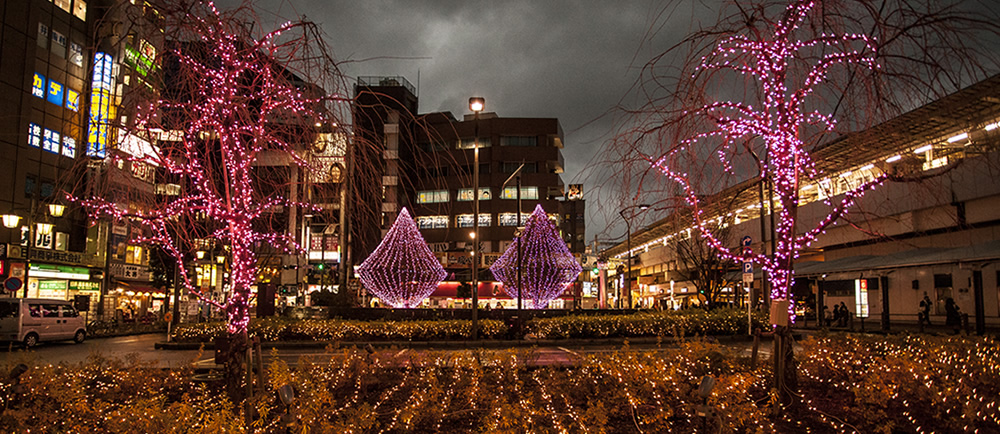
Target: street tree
{"type": "Point", "coordinates": [774, 81]}
{"type": "Point", "coordinates": [227, 111]}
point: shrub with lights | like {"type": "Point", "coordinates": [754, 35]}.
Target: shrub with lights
{"type": "Point", "coordinates": [331, 330]}
{"type": "Point", "coordinates": [547, 266]}
{"type": "Point", "coordinates": [402, 271]}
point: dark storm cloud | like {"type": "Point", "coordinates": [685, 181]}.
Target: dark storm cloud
{"type": "Point", "coordinates": [571, 60]}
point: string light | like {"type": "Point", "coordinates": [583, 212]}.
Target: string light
{"type": "Point", "coordinates": [402, 271]}
{"type": "Point", "coordinates": [231, 100]}
{"type": "Point", "coordinates": [776, 123]}
{"type": "Point", "coordinates": [547, 265]}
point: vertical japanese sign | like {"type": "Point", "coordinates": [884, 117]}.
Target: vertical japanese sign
{"type": "Point", "coordinates": [101, 106]}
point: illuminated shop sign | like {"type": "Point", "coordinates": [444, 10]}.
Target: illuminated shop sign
{"type": "Point", "coordinates": [59, 272]}
{"type": "Point", "coordinates": [38, 86]}
{"type": "Point", "coordinates": [72, 100]}
{"type": "Point", "coordinates": [101, 109]}
{"type": "Point", "coordinates": [55, 93]}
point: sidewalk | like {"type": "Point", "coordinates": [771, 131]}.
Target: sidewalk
{"type": "Point", "coordinates": [874, 326]}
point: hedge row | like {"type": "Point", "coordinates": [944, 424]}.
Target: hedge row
{"type": "Point", "coordinates": [280, 329]}
{"type": "Point", "coordinates": [647, 324]}
{"type": "Point", "coordinates": [651, 324]}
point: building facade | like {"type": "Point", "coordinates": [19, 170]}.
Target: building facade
{"type": "Point", "coordinates": [443, 200]}
{"type": "Point", "coordinates": [47, 51]}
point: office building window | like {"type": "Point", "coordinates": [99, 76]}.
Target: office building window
{"type": "Point", "coordinates": [58, 44]}
{"type": "Point", "coordinates": [43, 36]}
{"type": "Point", "coordinates": [47, 190]}
{"type": "Point", "coordinates": [518, 141]}
{"type": "Point", "coordinates": [465, 220]}
{"type": "Point", "coordinates": [63, 4]}
{"type": "Point", "coordinates": [75, 54]}
{"type": "Point", "coordinates": [510, 219]}
{"type": "Point", "coordinates": [511, 166]}
{"type": "Point", "coordinates": [465, 194]}
{"type": "Point", "coordinates": [432, 222]}
{"type": "Point", "coordinates": [527, 193]}
{"type": "Point", "coordinates": [484, 142]}
{"type": "Point", "coordinates": [432, 196]}
{"type": "Point", "coordinates": [80, 9]}
{"type": "Point", "coordinates": [30, 184]}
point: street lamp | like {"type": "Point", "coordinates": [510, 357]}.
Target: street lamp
{"type": "Point", "coordinates": [10, 221]}
{"type": "Point", "coordinates": [56, 209]}
{"type": "Point", "coordinates": [628, 254]}
{"type": "Point", "coordinates": [13, 220]}
{"type": "Point", "coordinates": [476, 104]}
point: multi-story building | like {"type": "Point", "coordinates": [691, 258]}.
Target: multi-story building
{"type": "Point", "coordinates": [424, 162]}
{"type": "Point", "coordinates": [938, 236]}
{"type": "Point", "coordinates": [381, 161]}
{"type": "Point", "coordinates": [45, 78]}
{"type": "Point", "coordinates": [443, 203]}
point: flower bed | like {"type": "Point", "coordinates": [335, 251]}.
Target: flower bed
{"type": "Point", "coordinates": [846, 384]}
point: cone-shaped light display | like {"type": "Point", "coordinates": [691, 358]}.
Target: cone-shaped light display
{"type": "Point", "coordinates": [402, 271]}
{"type": "Point", "coordinates": [548, 266]}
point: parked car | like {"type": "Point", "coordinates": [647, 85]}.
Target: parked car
{"type": "Point", "coordinates": [34, 320]}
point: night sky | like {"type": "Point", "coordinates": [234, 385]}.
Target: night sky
{"type": "Point", "coordinates": [572, 60]}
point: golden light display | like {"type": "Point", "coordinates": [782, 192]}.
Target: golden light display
{"type": "Point", "coordinates": [847, 383]}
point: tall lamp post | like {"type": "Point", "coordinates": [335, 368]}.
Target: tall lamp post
{"type": "Point", "coordinates": [476, 104]}
{"type": "Point", "coordinates": [628, 254]}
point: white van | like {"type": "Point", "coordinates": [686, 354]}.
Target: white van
{"type": "Point", "coordinates": [34, 320]}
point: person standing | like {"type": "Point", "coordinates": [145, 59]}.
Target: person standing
{"type": "Point", "coordinates": [953, 318]}
{"type": "Point", "coordinates": [836, 315]}
{"type": "Point", "coordinates": [925, 310]}
{"type": "Point", "coordinates": [844, 314]}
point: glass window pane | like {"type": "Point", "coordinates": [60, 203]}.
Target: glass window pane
{"type": "Point", "coordinates": [80, 9]}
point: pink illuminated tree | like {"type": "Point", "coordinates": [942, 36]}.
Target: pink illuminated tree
{"type": "Point", "coordinates": [765, 88]}
{"type": "Point", "coordinates": [402, 271]}
{"type": "Point", "coordinates": [547, 266]}
{"type": "Point", "coordinates": [226, 115]}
